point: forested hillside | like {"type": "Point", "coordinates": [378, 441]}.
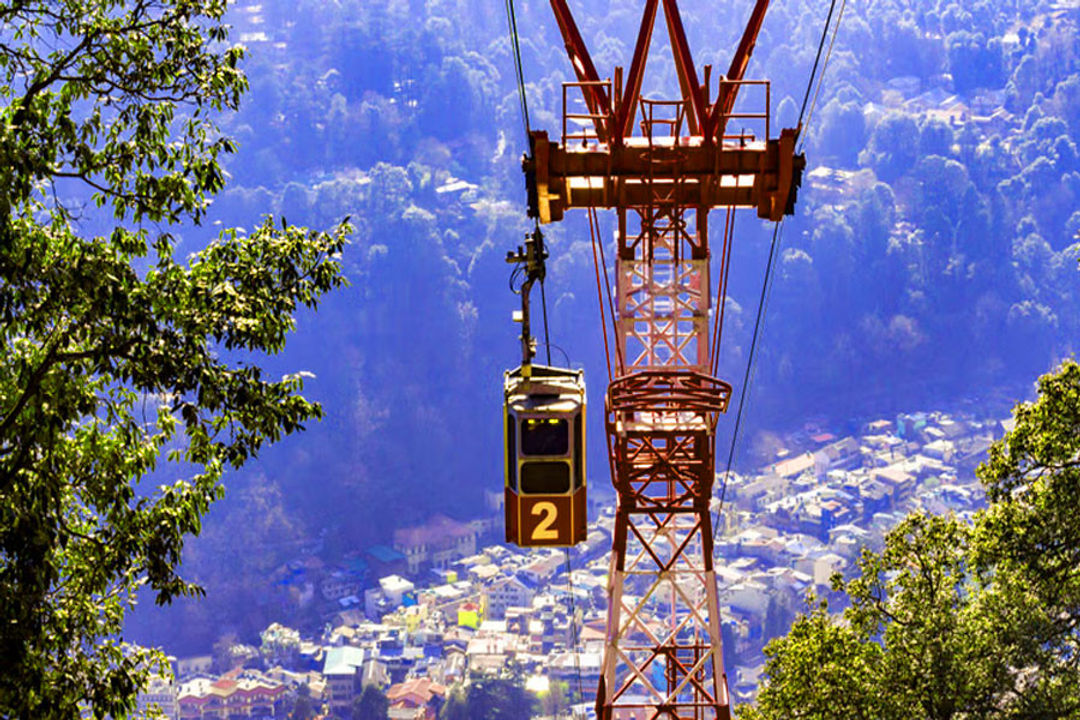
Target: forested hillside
{"type": "Point", "coordinates": [933, 254]}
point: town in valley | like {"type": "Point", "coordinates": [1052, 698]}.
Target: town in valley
{"type": "Point", "coordinates": [448, 601]}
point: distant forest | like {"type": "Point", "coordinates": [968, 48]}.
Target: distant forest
{"type": "Point", "coordinates": [932, 261]}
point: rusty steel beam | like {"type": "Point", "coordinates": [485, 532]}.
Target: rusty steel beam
{"type": "Point", "coordinates": [725, 101]}
{"type": "Point", "coordinates": [624, 116]}
{"type": "Point", "coordinates": [696, 113]}
{"type": "Point", "coordinates": [596, 99]}
{"type": "Point", "coordinates": [763, 174]}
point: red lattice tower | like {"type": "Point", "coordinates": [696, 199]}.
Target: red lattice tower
{"type": "Point", "coordinates": [662, 166]}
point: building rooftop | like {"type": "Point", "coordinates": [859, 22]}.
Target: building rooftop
{"type": "Point", "coordinates": [343, 660]}
{"type": "Point", "coordinates": [385, 554]}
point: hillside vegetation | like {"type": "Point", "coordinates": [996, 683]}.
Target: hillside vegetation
{"type": "Point", "coordinates": [933, 255]}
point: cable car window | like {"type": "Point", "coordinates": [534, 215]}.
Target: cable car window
{"type": "Point", "coordinates": [511, 454]}
{"type": "Point", "coordinates": [544, 436]}
{"type": "Point", "coordinates": [545, 478]}
{"type": "Point", "coordinates": [579, 459]}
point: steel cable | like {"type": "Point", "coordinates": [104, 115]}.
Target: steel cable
{"type": "Point", "coordinates": [777, 234]}
{"type": "Point", "coordinates": [511, 21]}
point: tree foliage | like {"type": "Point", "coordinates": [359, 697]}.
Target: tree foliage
{"type": "Point", "coordinates": [954, 620]}
{"type": "Point", "coordinates": [370, 704]}
{"type": "Point", "coordinates": [556, 700]}
{"type": "Point", "coordinates": [124, 365]}
{"type": "Point", "coordinates": [1029, 538]}
{"type": "Point", "coordinates": [488, 698]}
{"type": "Point", "coordinates": [303, 707]}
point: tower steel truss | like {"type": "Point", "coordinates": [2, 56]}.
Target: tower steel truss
{"type": "Point", "coordinates": [662, 165]}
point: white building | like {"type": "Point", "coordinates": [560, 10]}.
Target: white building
{"type": "Point", "coordinates": [510, 593]}
{"type": "Point", "coordinates": [160, 694]}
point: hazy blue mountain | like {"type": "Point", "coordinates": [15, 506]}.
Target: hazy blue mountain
{"type": "Point", "coordinates": [932, 261]}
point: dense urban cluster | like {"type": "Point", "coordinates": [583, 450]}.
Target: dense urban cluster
{"type": "Point", "coordinates": [440, 608]}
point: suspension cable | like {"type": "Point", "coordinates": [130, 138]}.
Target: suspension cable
{"type": "Point", "coordinates": [750, 361]}
{"type": "Point", "coordinates": [817, 59]}
{"type": "Point", "coordinates": [766, 286]}
{"type": "Point", "coordinates": [828, 57]}
{"type": "Point", "coordinates": [573, 626]}
{"type": "Point", "coordinates": [721, 289]}
{"type": "Point", "coordinates": [511, 21]}
{"type": "Point", "coordinates": [547, 336]}
{"type": "Point", "coordinates": [600, 300]}
{"type": "Point", "coordinates": [620, 361]}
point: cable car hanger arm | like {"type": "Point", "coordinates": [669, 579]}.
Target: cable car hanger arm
{"type": "Point", "coordinates": [531, 257]}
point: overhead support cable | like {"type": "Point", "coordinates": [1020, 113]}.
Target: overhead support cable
{"type": "Point", "coordinates": [766, 287]}
{"type": "Point", "coordinates": [817, 60]}
{"type": "Point", "coordinates": [821, 78]}
{"type": "Point", "coordinates": [598, 245]}
{"type": "Point", "coordinates": [763, 303]}
{"type": "Point", "coordinates": [511, 21]}
{"type": "Point", "coordinates": [547, 335]}
{"type": "Point", "coordinates": [600, 297]}
{"type": "Point", "coordinates": [721, 289]}
{"type": "Point", "coordinates": [574, 635]}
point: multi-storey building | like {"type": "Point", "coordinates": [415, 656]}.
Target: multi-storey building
{"type": "Point", "coordinates": [245, 696]}
{"type": "Point", "coordinates": [343, 672]}
{"type": "Point", "coordinates": [437, 544]}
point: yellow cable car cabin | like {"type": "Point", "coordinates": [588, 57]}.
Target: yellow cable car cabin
{"type": "Point", "coordinates": [544, 429]}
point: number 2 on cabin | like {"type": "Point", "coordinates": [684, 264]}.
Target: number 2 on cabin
{"type": "Point", "coordinates": [544, 529]}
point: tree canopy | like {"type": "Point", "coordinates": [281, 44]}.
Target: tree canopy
{"type": "Point", "coordinates": [488, 698]}
{"type": "Point", "coordinates": [370, 704]}
{"type": "Point", "coordinates": [130, 376]}
{"type": "Point", "coordinates": [952, 619]}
